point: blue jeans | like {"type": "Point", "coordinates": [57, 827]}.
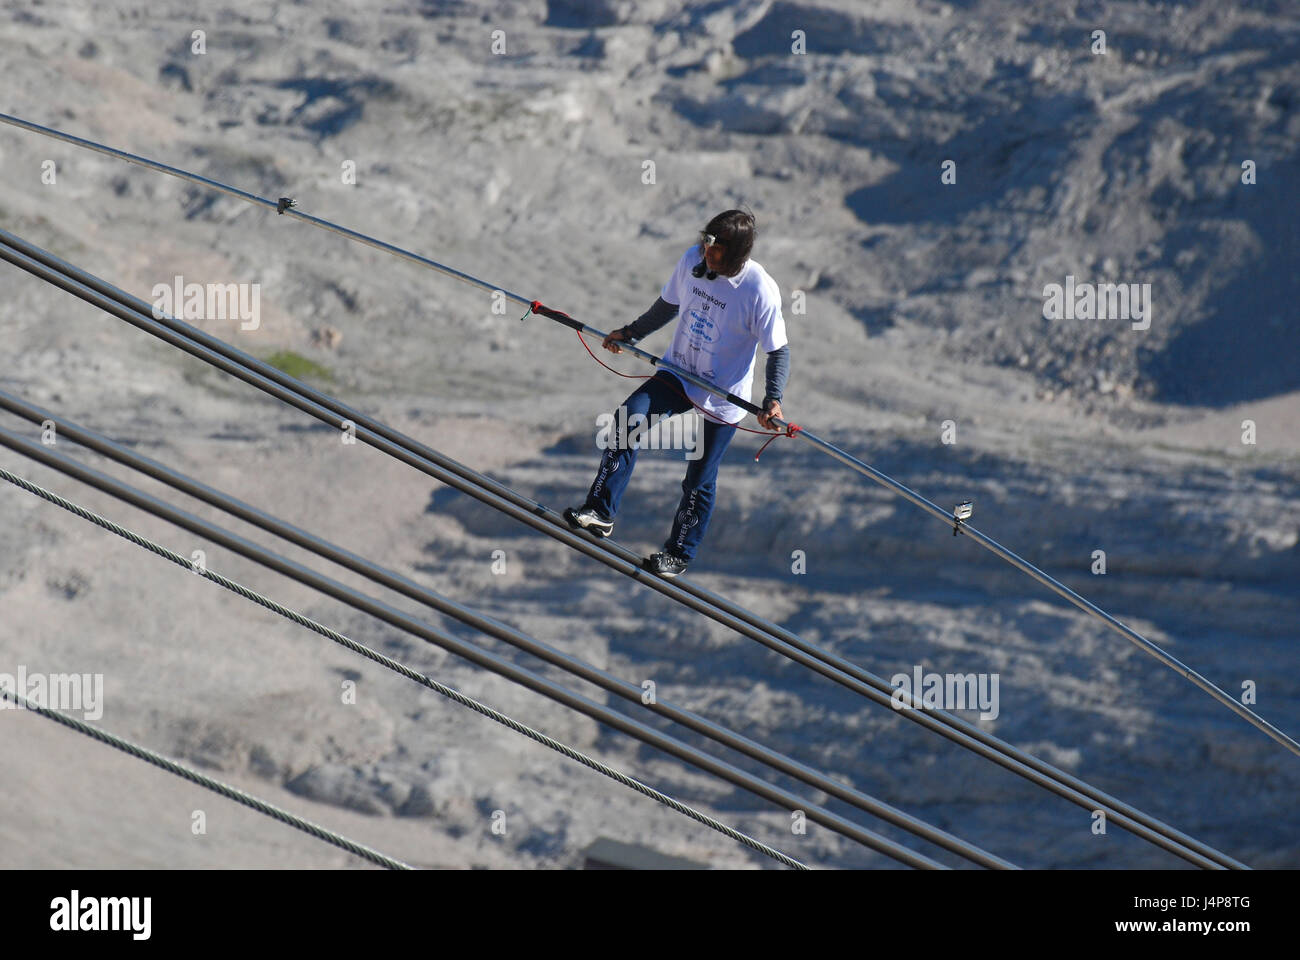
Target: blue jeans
{"type": "Point", "coordinates": [663, 394]}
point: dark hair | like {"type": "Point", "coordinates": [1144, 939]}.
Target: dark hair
{"type": "Point", "coordinates": [735, 230]}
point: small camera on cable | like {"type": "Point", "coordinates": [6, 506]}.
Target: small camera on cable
{"type": "Point", "coordinates": [961, 513]}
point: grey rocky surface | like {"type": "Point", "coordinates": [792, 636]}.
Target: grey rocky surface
{"type": "Point", "coordinates": [924, 304]}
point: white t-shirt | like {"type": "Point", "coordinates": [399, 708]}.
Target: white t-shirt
{"type": "Point", "coordinates": [719, 324]}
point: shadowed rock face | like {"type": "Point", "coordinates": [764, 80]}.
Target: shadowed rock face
{"type": "Point", "coordinates": [1002, 160]}
{"type": "Point", "coordinates": [825, 31]}
{"type": "Point", "coordinates": [576, 167]}
{"type": "Point", "coordinates": [329, 106]}
{"type": "Point", "coordinates": [1115, 168]}
{"type": "Point", "coordinates": [1249, 322]}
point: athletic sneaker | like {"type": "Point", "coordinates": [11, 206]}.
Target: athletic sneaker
{"type": "Point", "coordinates": [666, 564]}
{"type": "Point", "coordinates": [589, 520]}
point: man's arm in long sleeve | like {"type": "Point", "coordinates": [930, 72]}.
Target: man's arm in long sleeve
{"type": "Point", "coordinates": [778, 369]}
{"type": "Point", "coordinates": [657, 316]}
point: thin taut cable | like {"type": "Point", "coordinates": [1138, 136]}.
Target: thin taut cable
{"type": "Point", "coordinates": [207, 783]}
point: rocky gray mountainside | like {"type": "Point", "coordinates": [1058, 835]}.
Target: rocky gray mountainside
{"type": "Point", "coordinates": [574, 167]}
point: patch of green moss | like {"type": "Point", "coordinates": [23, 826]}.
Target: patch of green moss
{"type": "Point", "coordinates": [298, 366]}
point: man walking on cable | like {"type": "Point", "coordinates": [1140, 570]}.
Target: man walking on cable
{"type": "Point", "coordinates": [726, 305]}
